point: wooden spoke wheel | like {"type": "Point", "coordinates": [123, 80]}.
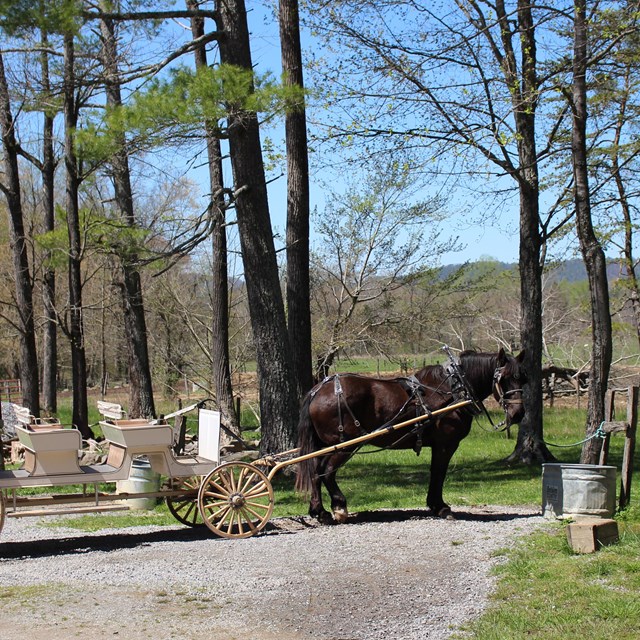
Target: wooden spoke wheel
{"type": "Point", "coordinates": [184, 508]}
{"type": "Point", "coordinates": [236, 500]}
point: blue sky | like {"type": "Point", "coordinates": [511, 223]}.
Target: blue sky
{"type": "Point", "coordinates": [495, 239]}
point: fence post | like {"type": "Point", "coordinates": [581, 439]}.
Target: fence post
{"type": "Point", "coordinates": [629, 447]}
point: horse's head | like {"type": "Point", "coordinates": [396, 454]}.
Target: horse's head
{"type": "Point", "coordinates": [508, 380]}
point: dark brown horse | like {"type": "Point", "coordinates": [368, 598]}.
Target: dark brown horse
{"type": "Point", "coordinates": [345, 406]}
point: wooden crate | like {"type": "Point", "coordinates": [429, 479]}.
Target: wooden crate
{"type": "Point", "coordinates": [589, 535]}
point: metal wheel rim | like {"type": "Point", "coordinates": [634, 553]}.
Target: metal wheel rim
{"type": "Point", "coordinates": [185, 508]}
{"type": "Point", "coordinates": [236, 500]}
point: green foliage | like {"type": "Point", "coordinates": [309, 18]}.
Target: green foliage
{"type": "Point", "coordinates": [181, 104]}
{"type": "Point", "coordinates": [54, 16]}
{"type": "Point", "coordinates": [101, 233]}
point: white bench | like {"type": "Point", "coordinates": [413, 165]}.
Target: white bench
{"type": "Point", "coordinates": [26, 418]}
{"type": "Point", "coordinates": [50, 452]}
{"type": "Point", "coordinates": [110, 410]}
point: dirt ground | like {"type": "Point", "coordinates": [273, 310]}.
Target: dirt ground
{"type": "Point", "coordinates": [383, 575]}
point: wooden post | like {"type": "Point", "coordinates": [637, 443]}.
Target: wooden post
{"type": "Point", "coordinates": [629, 428]}
{"type": "Point", "coordinates": [629, 447]}
{"type": "Point", "coordinates": [609, 413]}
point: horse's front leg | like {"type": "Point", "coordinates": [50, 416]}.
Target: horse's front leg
{"type": "Point", "coordinates": [338, 501]}
{"type": "Point", "coordinates": [440, 458]}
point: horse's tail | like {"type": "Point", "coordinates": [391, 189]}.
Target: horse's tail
{"type": "Point", "coordinates": [308, 443]}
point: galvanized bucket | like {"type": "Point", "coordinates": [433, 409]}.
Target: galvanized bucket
{"type": "Point", "coordinates": [578, 490]}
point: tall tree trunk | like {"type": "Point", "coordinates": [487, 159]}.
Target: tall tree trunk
{"type": "Point", "coordinates": [592, 253]}
{"type": "Point", "coordinates": [23, 286]}
{"type": "Point", "coordinates": [278, 397]}
{"type": "Point", "coordinates": [221, 369]}
{"type": "Point", "coordinates": [50, 330]}
{"type": "Point", "coordinates": [298, 289]}
{"type": "Point", "coordinates": [80, 414]}
{"type": "Point", "coordinates": [530, 445]}
{"type": "Point", "coordinates": [141, 402]}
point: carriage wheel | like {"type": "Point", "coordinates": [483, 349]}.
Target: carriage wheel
{"type": "Point", "coordinates": [236, 500]}
{"type": "Point", "coordinates": [185, 508]}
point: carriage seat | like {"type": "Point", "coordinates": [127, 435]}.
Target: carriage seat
{"type": "Point", "coordinates": [110, 410]}
{"type": "Point", "coordinates": [50, 451]}
{"type": "Point", "coordinates": [31, 423]}
{"type": "Point", "coordinates": [138, 434]}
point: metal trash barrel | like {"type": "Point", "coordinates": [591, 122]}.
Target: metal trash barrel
{"type": "Point", "coordinates": [578, 490]}
{"type": "Point", "coordinates": [142, 479]}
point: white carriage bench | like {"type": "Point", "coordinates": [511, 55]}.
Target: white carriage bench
{"type": "Point", "coordinates": [52, 459]}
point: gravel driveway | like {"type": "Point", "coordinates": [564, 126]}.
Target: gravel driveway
{"type": "Point", "coordinates": [385, 574]}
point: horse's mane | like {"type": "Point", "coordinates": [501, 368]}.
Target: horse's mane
{"type": "Point", "coordinates": [473, 363]}
{"type": "Point", "coordinates": [478, 362]}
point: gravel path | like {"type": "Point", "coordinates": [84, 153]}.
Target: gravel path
{"type": "Point", "coordinates": [384, 575]}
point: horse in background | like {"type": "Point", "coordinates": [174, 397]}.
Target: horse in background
{"type": "Point", "coordinates": [345, 406]}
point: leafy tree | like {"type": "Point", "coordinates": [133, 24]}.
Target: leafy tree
{"type": "Point", "coordinates": [11, 188]}
{"type": "Point", "coordinates": [376, 239]}
{"type": "Point", "coordinates": [141, 403]}
{"type": "Point", "coordinates": [591, 248]}
{"type": "Point", "coordinates": [219, 286]}
{"type": "Point", "coordinates": [460, 87]}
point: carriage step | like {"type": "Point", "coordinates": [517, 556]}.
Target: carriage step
{"type": "Point", "coordinates": [70, 510]}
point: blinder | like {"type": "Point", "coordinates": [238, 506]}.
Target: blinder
{"type": "Point", "coordinates": [503, 396]}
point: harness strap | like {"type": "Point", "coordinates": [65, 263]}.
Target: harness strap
{"type": "Point", "coordinates": [339, 393]}
{"type": "Point", "coordinates": [415, 391]}
{"type": "Point", "coordinates": [503, 396]}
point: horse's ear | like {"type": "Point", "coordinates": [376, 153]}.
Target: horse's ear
{"type": "Point", "coordinates": [520, 357]}
{"type": "Point", "coordinates": [502, 357]}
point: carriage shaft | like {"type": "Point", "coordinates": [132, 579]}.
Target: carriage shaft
{"type": "Point", "coordinates": [369, 436]}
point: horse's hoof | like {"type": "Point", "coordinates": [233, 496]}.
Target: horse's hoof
{"type": "Point", "coordinates": [444, 513]}
{"type": "Point", "coordinates": [340, 515]}
{"type": "Point", "coordinates": [324, 517]}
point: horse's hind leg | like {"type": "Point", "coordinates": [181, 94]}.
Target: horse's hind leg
{"type": "Point", "coordinates": [316, 508]}
{"type": "Point", "coordinates": [338, 501]}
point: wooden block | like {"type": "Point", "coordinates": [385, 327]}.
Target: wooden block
{"type": "Point", "coordinates": [587, 536]}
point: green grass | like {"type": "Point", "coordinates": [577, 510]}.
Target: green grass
{"type": "Point", "coordinates": [546, 592]}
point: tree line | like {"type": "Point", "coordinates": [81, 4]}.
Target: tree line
{"type": "Point", "coordinates": [99, 99]}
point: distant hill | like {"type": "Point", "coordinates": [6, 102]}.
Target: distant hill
{"type": "Point", "coordinates": [568, 271]}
